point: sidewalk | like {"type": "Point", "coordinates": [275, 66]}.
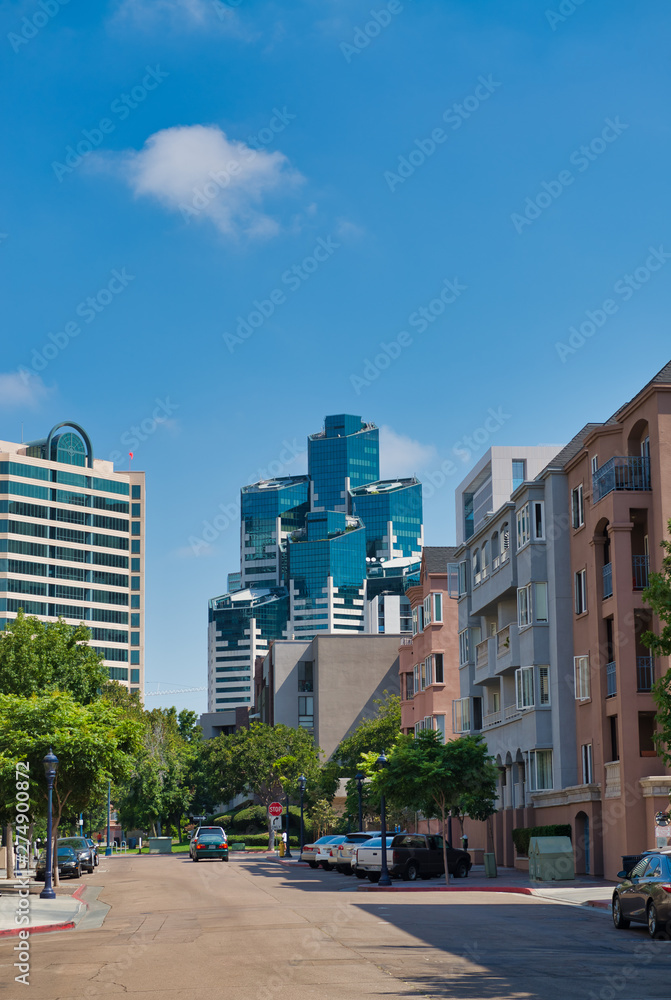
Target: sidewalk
{"type": "Point", "coordinates": [61, 913]}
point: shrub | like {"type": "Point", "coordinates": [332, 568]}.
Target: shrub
{"type": "Point", "coordinates": [523, 834]}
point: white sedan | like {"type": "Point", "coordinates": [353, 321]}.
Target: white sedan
{"type": "Point", "coordinates": [367, 859]}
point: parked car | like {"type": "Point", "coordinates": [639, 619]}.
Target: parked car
{"type": "Point", "coordinates": [67, 860]}
{"type": "Point", "coordinates": [367, 858]}
{"type": "Point", "coordinates": [85, 853]}
{"type": "Point", "coordinates": [345, 849]}
{"type": "Point", "coordinates": [644, 895]}
{"type": "Point", "coordinates": [92, 844]}
{"type": "Point", "coordinates": [310, 851]}
{"type": "Point", "coordinates": [217, 831]}
{"type": "Point", "coordinates": [326, 855]}
{"type": "Point", "coordinates": [420, 855]}
{"type": "Point", "coordinates": [210, 843]}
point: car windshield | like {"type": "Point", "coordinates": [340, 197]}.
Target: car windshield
{"type": "Point", "coordinates": [210, 838]}
{"type": "Point", "coordinates": [217, 830]}
{"type": "Point", "coordinates": [377, 841]}
{"type": "Point", "coordinates": [358, 838]}
{"type": "Point", "coordinates": [65, 852]}
{"type": "Point", "coordinates": [77, 842]}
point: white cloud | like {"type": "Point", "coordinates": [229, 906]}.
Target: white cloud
{"type": "Point", "coordinates": [191, 15]}
{"type": "Point", "coordinates": [401, 455]}
{"type": "Point", "coordinates": [22, 390]}
{"type": "Point", "coordinates": [201, 173]}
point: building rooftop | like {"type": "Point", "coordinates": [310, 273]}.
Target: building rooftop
{"type": "Point", "coordinates": [384, 486]}
{"type": "Point", "coordinates": [274, 484]}
{"type": "Point", "coordinates": [436, 557]}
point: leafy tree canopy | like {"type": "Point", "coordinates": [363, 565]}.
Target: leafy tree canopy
{"type": "Point", "coordinates": [658, 596]}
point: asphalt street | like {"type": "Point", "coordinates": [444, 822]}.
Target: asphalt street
{"type": "Point", "coordinates": [256, 929]}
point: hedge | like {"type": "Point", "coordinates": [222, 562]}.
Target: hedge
{"type": "Point", "coordinates": [523, 834]}
{"type": "Point", "coordinates": [259, 840]}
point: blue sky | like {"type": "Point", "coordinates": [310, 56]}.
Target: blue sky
{"type": "Point", "coordinates": [283, 188]}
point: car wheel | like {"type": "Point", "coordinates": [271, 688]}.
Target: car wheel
{"type": "Point", "coordinates": [373, 876]}
{"type": "Point", "coordinates": [411, 871]}
{"type": "Point", "coordinates": [78, 871]}
{"type": "Point", "coordinates": [195, 857]}
{"type": "Point", "coordinates": [461, 871]}
{"type": "Point", "coordinates": [618, 919]}
{"type": "Point", "coordinates": [360, 874]}
{"type": "Point", "coordinates": [97, 861]}
{"type": "Point", "coordinates": [346, 870]}
{"type": "Point", "coordinates": [326, 866]}
{"type": "Point", "coordinates": [653, 922]}
{"type": "Point", "coordinates": [313, 864]}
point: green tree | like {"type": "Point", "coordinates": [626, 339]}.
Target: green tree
{"type": "Point", "coordinates": [430, 776]}
{"type": "Point", "coordinates": [658, 596]}
{"type": "Point", "coordinates": [323, 818]}
{"type": "Point", "coordinates": [92, 742]}
{"type": "Point", "coordinates": [371, 736]}
{"type": "Point", "coordinates": [37, 657]}
{"type": "Point", "coordinates": [264, 760]}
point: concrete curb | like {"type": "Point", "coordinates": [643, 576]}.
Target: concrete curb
{"type": "Point", "coordinates": [65, 925]}
{"type": "Point", "coordinates": [519, 890]}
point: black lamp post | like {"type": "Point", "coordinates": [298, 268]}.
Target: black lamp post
{"type": "Point", "coordinates": [360, 778]}
{"type": "Point", "coordinates": [384, 871]}
{"type": "Point", "coordinates": [50, 769]}
{"type": "Point", "coordinates": [302, 782]}
{"type": "Point", "coordinates": [108, 846]}
{"type": "Point", "coordinates": [287, 853]}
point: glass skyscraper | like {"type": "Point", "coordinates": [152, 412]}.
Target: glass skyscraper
{"type": "Point", "coordinates": [72, 544]}
{"type": "Point", "coordinates": [308, 547]}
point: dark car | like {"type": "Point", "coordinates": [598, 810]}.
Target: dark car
{"type": "Point", "coordinates": [210, 843]}
{"type": "Point", "coordinates": [644, 895]}
{"type": "Point", "coordinates": [68, 863]}
{"type": "Point", "coordinates": [94, 847]}
{"type": "Point", "coordinates": [85, 853]}
{"type": "Point", "coordinates": [418, 855]}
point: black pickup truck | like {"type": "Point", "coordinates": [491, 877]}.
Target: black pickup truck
{"type": "Point", "coordinates": [418, 855]}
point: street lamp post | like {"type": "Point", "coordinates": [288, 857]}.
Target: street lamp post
{"type": "Point", "coordinates": [384, 870]}
{"type": "Point", "coordinates": [287, 853]}
{"type": "Point", "coordinates": [302, 782]}
{"type": "Point", "coordinates": [360, 778]}
{"type": "Point", "coordinates": [108, 846]}
{"type": "Point", "coordinates": [50, 763]}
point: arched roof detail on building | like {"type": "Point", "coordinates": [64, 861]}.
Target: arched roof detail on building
{"type": "Point", "coordinates": [53, 438]}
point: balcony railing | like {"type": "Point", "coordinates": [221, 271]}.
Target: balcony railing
{"type": "Point", "coordinates": [511, 712]}
{"type": "Point", "coordinates": [503, 641]}
{"type": "Point", "coordinates": [639, 565]}
{"type": "Point", "coordinates": [623, 472]}
{"type": "Point", "coordinates": [645, 673]}
{"type": "Point", "coordinates": [482, 653]}
{"type": "Point", "coordinates": [611, 680]}
{"type": "Point", "coordinates": [607, 580]}
{"type": "Point", "coordinates": [492, 719]}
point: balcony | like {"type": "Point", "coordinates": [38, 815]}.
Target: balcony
{"type": "Point", "coordinates": [493, 719]}
{"type": "Point", "coordinates": [623, 472]}
{"type": "Point", "coordinates": [503, 641]}
{"type": "Point", "coordinates": [645, 673]}
{"type": "Point", "coordinates": [611, 680]}
{"type": "Point", "coordinates": [607, 580]}
{"type": "Point", "coordinates": [482, 654]}
{"type": "Point", "coordinates": [639, 567]}
{"type": "Point", "coordinates": [511, 712]}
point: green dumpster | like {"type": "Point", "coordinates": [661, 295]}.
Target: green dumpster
{"type": "Point", "coordinates": [490, 865]}
{"type": "Point", "coordinates": [551, 859]}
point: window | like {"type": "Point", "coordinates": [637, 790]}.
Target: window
{"type": "Point", "coordinates": [646, 729]}
{"type": "Point", "coordinates": [428, 670]}
{"type": "Point", "coordinates": [462, 578]}
{"type": "Point", "coordinates": [134, 601]}
{"type": "Point", "coordinates": [595, 464]}
{"type": "Point", "coordinates": [135, 510]}
{"type": "Point", "coordinates": [306, 712]}
{"type": "Point", "coordinates": [134, 638]}
{"type": "Point", "coordinates": [587, 768]}
{"type": "Point", "coordinates": [461, 715]}
{"type": "Point", "coordinates": [523, 534]}
{"type": "Point", "coordinates": [136, 492]}
{"type": "Point", "coordinates": [540, 768]}
{"type": "Point", "coordinates": [504, 535]}
{"type": "Point", "coordinates": [440, 726]}
{"type": "Point", "coordinates": [540, 602]}
{"type": "Point", "coordinates": [463, 647]}
{"type": "Point", "coordinates": [427, 610]}
{"type": "Point", "coordinates": [135, 621]}
{"type": "Point", "coordinates": [543, 685]}
{"type": "Point", "coordinates": [580, 589]}
{"type": "Point", "coordinates": [305, 676]}
{"type": "Point", "coordinates": [438, 668]}
{"type": "Point", "coordinates": [476, 567]}
{"type": "Point", "coordinates": [422, 675]}
{"type": "Point", "coordinates": [437, 609]}
{"type": "Point", "coordinates": [538, 520]}
{"type": "Point", "coordinates": [415, 677]}
{"type": "Point", "coordinates": [524, 687]}
{"type": "Point", "coordinates": [524, 606]}
{"type": "Point", "coordinates": [409, 686]}
{"type": "Point", "coordinates": [519, 472]}
{"type": "Point", "coordinates": [135, 565]}
{"type": "Point", "coordinates": [135, 676]}
{"type": "Point", "coordinates": [485, 559]}
{"type": "Point", "coordinates": [614, 746]}
{"type": "Point", "coordinates": [135, 546]}
{"type": "Point", "coordinates": [453, 580]}
{"type": "Point", "coordinates": [582, 679]}
{"type": "Point", "coordinates": [577, 507]}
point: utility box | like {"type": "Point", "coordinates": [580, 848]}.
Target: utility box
{"type": "Point", "coordinates": [490, 865]}
{"type": "Point", "coordinates": [551, 859]}
{"type": "Point", "coordinates": [160, 845]}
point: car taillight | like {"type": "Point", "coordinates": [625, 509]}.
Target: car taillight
{"type": "Point", "coordinates": [666, 886]}
{"type": "Point", "coordinates": [222, 847]}
{"type": "Point", "coordinates": [200, 847]}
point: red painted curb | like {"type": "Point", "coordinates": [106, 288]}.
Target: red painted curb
{"type": "Point", "coordinates": [40, 929]}
{"type": "Point", "coordinates": [599, 904]}
{"type": "Point", "coordinates": [519, 890]}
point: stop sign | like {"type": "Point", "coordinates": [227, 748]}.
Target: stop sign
{"type": "Point", "coordinates": [275, 809]}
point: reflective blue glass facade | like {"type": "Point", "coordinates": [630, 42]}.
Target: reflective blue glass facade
{"type": "Point", "coordinates": [395, 502]}
{"type": "Point", "coordinates": [347, 449]}
{"type": "Point", "coordinates": [270, 510]}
